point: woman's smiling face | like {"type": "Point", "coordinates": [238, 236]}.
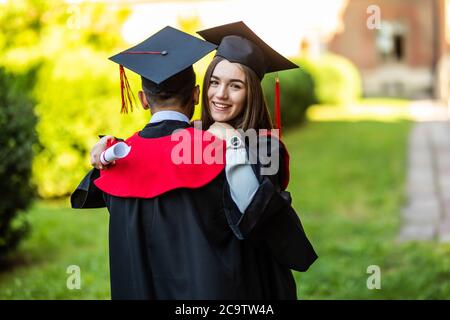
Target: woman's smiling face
{"type": "Point", "coordinates": [227, 91]}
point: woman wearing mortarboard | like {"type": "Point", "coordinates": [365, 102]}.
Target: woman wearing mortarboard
{"type": "Point", "coordinates": [234, 99]}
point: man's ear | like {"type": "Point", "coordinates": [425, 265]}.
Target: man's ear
{"type": "Point", "coordinates": [143, 100]}
{"type": "Point", "coordinates": [196, 95]}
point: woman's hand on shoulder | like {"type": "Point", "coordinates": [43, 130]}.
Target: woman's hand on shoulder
{"type": "Point", "coordinates": [222, 130]}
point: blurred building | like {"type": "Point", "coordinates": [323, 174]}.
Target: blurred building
{"type": "Point", "coordinates": [399, 46]}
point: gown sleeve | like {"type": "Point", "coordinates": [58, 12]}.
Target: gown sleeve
{"type": "Point", "coordinates": [87, 195]}
{"type": "Point", "coordinates": [270, 219]}
{"type": "Point", "coordinates": [240, 177]}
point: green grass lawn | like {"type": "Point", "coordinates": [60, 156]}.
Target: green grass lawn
{"type": "Point", "coordinates": [348, 186]}
{"type": "Point", "coordinates": [347, 182]}
{"type": "Point", "coordinates": [60, 237]}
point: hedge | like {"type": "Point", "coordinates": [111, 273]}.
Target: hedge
{"type": "Point", "coordinates": [17, 138]}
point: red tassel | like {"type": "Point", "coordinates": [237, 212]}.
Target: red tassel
{"type": "Point", "coordinates": [125, 88]}
{"type": "Point", "coordinates": [125, 91]}
{"type": "Point", "coordinates": [277, 111]}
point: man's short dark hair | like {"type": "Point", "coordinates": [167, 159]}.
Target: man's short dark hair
{"type": "Point", "coordinates": [175, 90]}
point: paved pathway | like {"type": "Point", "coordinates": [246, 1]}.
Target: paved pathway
{"type": "Point", "coordinates": [426, 215]}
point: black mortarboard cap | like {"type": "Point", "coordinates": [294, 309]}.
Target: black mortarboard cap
{"type": "Point", "coordinates": [238, 43]}
{"type": "Point", "coordinates": [160, 57]}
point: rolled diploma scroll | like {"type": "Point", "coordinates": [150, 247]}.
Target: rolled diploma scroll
{"type": "Point", "coordinates": [118, 151]}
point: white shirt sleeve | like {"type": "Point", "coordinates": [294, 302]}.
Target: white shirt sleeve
{"type": "Point", "coordinates": [241, 178]}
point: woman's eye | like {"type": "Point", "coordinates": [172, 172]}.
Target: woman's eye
{"type": "Point", "coordinates": [236, 86]}
{"type": "Point", "coordinates": [214, 82]}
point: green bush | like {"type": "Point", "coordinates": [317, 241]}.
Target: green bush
{"type": "Point", "coordinates": [17, 137]}
{"type": "Point", "coordinates": [78, 98]}
{"type": "Point", "coordinates": [337, 80]}
{"type": "Point", "coordinates": [296, 94]}
{"type": "Point", "coordinates": [76, 89]}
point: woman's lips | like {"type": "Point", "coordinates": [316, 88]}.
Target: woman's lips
{"type": "Point", "coordinates": [220, 107]}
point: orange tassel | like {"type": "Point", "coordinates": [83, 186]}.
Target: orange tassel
{"type": "Point", "coordinates": [125, 91]}
{"type": "Point", "coordinates": [277, 111]}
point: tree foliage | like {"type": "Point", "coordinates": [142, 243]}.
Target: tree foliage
{"type": "Point", "coordinates": [76, 87]}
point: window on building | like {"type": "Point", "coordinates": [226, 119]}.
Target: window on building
{"type": "Point", "coordinates": [390, 41]}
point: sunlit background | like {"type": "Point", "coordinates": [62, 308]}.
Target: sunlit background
{"type": "Point", "coordinates": [365, 119]}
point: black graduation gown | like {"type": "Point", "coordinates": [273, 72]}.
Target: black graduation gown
{"type": "Point", "coordinates": [275, 239]}
{"type": "Point", "coordinates": [184, 244]}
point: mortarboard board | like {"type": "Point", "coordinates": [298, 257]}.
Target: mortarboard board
{"type": "Point", "coordinates": [159, 58]}
{"type": "Point", "coordinates": [238, 43]}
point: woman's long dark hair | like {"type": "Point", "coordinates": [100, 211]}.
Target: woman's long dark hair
{"type": "Point", "coordinates": [254, 115]}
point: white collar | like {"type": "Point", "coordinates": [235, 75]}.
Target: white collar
{"type": "Point", "coordinates": [168, 115]}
